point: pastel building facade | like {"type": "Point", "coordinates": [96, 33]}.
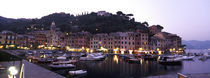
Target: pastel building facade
{"type": "Point", "coordinates": [78, 40]}
{"type": "Point", "coordinates": [8, 39]}
{"type": "Point", "coordinates": [141, 40]}
{"type": "Point", "coordinates": [25, 40]}
{"type": "Point", "coordinates": [122, 41]}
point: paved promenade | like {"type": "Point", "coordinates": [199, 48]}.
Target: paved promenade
{"type": "Point", "coordinates": [31, 70]}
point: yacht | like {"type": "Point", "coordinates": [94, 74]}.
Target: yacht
{"type": "Point", "coordinates": [93, 56]}
{"type": "Point", "coordinates": [170, 60]}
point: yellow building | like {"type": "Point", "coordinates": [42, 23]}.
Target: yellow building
{"type": "Point", "coordinates": [8, 39]}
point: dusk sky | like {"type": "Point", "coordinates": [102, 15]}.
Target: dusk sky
{"type": "Point", "coordinates": [188, 18]}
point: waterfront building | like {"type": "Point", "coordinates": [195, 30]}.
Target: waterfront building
{"type": "Point", "coordinates": [168, 42]}
{"type": "Point", "coordinates": [8, 39]}
{"type": "Point", "coordinates": [99, 40]}
{"type": "Point", "coordinates": [25, 41]}
{"type": "Point", "coordinates": [154, 29]}
{"type": "Point", "coordinates": [120, 41]}
{"type": "Point", "coordinates": [39, 37]}
{"type": "Point", "coordinates": [141, 40]}
{"type": "Point", "coordinates": [157, 43]}
{"type": "Point", "coordinates": [55, 38]}
{"type": "Point", "coordinates": [49, 39]}
{"type": "Point", "coordinates": [125, 41]}
{"type": "Point", "coordinates": [79, 40]}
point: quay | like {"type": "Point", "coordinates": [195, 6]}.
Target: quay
{"type": "Point", "coordinates": [31, 70]}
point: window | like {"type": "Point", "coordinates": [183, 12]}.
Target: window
{"type": "Point", "coordinates": [13, 37]}
{"type": "Point", "coordinates": [125, 42]}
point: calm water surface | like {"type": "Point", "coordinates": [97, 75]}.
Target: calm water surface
{"type": "Point", "coordinates": [115, 66]}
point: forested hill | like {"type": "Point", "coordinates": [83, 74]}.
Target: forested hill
{"type": "Point", "coordinates": [70, 23]}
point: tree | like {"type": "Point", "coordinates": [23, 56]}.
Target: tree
{"type": "Point", "coordinates": [146, 24]}
{"type": "Point", "coordinates": [120, 13]}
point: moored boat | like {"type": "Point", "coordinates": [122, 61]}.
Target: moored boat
{"type": "Point", "coordinates": [65, 62]}
{"type": "Point", "coordinates": [203, 58]}
{"type": "Point", "coordinates": [187, 57]}
{"type": "Point", "coordinates": [60, 66]}
{"type": "Point", "coordinates": [169, 60]}
{"type": "Point", "coordinates": [77, 72]}
{"type": "Point", "coordinates": [133, 60]}
{"type": "Point", "coordinates": [45, 60]}
{"type": "Point", "coordinates": [93, 56]}
{"type": "Point", "coordinates": [150, 57]}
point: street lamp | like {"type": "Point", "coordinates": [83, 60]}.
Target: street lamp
{"type": "Point", "coordinates": [13, 71]}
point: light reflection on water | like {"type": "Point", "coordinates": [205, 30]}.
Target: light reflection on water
{"type": "Point", "coordinates": [115, 58]}
{"type": "Point", "coordinates": [115, 66]}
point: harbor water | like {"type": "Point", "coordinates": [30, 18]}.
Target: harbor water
{"type": "Point", "coordinates": [115, 66]}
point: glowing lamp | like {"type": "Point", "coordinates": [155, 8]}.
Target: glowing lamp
{"type": "Point", "coordinates": [13, 70]}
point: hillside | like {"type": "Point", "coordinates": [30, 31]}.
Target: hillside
{"type": "Point", "coordinates": [70, 23]}
{"type": "Point", "coordinates": [193, 44]}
